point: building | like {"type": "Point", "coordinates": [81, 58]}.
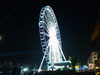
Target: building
{"type": "Point", "coordinates": [94, 60]}
{"type": "Point", "coordinates": [95, 40]}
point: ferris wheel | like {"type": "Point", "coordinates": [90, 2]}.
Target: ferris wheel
{"type": "Point", "coordinates": [50, 39]}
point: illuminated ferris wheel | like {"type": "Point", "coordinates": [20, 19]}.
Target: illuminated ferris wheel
{"type": "Point", "coordinates": [50, 39]}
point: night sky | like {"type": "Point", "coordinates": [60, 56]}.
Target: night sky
{"type": "Point", "coordinates": [20, 31]}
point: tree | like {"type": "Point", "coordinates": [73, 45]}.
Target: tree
{"type": "Point", "coordinates": [73, 60]}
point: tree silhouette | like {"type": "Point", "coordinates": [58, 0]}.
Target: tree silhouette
{"type": "Point", "coordinates": [73, 60]}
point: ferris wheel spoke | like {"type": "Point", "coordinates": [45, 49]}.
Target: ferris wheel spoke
{"type": "Point", "coordinates": [47, 46]}
{"type": "Point", "coordinates": [46, 29]}
{"type": "Point", "coordinates": [46, 18]}
{"type": "Point", "coordinates": [46, 34]}
{"type": "Point", "coordinates": [61, 51]}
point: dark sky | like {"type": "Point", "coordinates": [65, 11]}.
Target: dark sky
{"type": "Point", "coordinates": [19, 28]}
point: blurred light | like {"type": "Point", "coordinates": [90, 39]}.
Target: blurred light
{"type": "Point", "coordinates": [76, 67]}
{"type": "Point", "coordinates": [85, 66]}
{"type": "Point", "coordinates": [70, 68]}
{"type": "Point", "coordinates": [97, 73]}
{"type": "Point", "coordinates": [81, 67]}
{"type": "Point", "coordinates": [25, 69]}
{"type": "Point", "coordinates": [97, 67]}
{"type": "Point", "coordinates": [0, 37]}
{"type": "Point", "coordinates": [67, 66]}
